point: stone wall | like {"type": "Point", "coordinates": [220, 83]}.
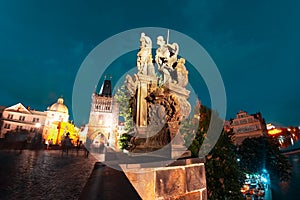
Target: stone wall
{"type": "Point", "coordinates": [183, 179]}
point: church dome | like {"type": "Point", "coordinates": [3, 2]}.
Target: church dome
{"type": "Point", "coordinates": [59, 106]}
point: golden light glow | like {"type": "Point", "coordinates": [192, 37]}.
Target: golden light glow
{"type": "Point", "coordinates": [59, 129]}
{"type": "Point", "coordinates": [274, 131]}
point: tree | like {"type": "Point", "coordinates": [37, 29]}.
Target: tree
{"type": "Point", "coordinates": [261, 153]}
{"type": "Point", "coordinates": [223, 174]}
{"type": "Point", "coordinates": [124, 141]}
{"type": "Point", "coordinates": [125, 104]}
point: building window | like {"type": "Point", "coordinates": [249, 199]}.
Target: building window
{"type": "Point", "coordinates": [236, 123]}
{"type": "Point", "coordinates": [250, 120]}
{"type": "Point", "coordinates": [22, 118]}
{"type": "Point", "coordinates": [243, 121]}
{"type": "Point", "coordinates": [7, 126]}
{"type": "Point", "coordinates": [35, 120]}
{"type": "Point", "coordinates": [10, 116]}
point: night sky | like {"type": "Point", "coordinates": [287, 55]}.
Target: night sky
{"type": "Point", "coordinates": [255, 45]}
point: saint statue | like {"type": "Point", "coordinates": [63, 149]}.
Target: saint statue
{"type": "Point", "coordinates": [144, 61]}
{"type": "Point", "coordinates": [166, 58]}
{"type": "Point", "coordinates": [181, 73]}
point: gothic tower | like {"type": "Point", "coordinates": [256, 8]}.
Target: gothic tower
{"type": "Point", "coordinates": [103, 115]}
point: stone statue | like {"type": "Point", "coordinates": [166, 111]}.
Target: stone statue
{"type": "Point", "coordinates": [166, 58]}
{"type": "Point", "coordinates": [157, 110]}
{"type": "Point", "coordinates": [181, 73]}
{"type": "Point", "coordinates": [144, 60]}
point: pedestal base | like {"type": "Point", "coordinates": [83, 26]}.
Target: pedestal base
{"type": "Point", "coordinates": [182, 179]}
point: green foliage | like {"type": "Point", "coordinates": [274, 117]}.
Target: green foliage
{"type": "Point", "coordinates": [125, 103]}
{"type": "Point", "coordinates": [261, 153]}
{"type": "Point", "coordinates": [223, 175]}
{"type": "Point", "coordinates": [124, 141]}
{"type": "Point", "coordinates": [201, 120]}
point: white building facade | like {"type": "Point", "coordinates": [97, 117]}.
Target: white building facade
{"type": "Point", "coordinates": [18, 118]}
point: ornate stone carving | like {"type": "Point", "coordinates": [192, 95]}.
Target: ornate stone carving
{"type": "Point", "coordinates": [158, 110]}
{"type": "Point", "coordinates": [131, 84]}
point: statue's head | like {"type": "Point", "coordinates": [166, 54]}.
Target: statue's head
{"type": "Point", "coordinates": [160, 41]}
{"type": "Point", "coordinates": [181, 60]}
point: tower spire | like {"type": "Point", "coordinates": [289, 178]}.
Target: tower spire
{"type": "Point", "coordinates": [106, 88]}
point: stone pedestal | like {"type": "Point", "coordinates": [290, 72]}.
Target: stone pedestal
{"type": "Point", "coordinates": [144, 85]}
{"type": "Point", "coordinates": [183, 179]}
{"type": "Point", "coordinates": [178, 149]}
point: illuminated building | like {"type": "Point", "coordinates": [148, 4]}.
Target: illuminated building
{"type": "Point", "coordinates": [1, 111]}
{"type": "Point", "coordinates": [286, 136]}
{"type": "Point", "coordinates": [18, 117]}
{"type": "Point", "coordinates": [55, 114]}
{"type": "Point", "coordinates": [52, 124]}
{"type": "Point", "coordinates": [247, 126]}
{"type": "Point", "coordinates": [104, 115]}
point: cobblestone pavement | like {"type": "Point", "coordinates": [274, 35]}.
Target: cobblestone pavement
{"type": "Point", "coordinates": [44, 174]}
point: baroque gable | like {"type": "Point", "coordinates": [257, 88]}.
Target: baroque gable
{"type": "Point", "coordinates": [18, 108]}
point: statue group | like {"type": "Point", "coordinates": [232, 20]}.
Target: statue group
{"type": "Point", "coordinates": [159, 103]}
{"type": "Point", "coordinates": [172, 68]}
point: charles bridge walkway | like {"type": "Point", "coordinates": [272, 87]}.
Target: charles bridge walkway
{"type": "Point", "coordinates": [47, 174]}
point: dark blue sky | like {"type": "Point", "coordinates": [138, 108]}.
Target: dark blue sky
{"type": "Point", "coordinates": [255, 45]}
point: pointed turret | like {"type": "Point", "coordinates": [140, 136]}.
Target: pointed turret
{"type": "Point", "coordinates": [106, 89]}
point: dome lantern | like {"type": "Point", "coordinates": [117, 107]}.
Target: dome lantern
{"type": "Point", "coordinates": [59, 106]}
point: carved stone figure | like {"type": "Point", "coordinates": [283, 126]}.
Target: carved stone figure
{"type": "Point", "coordinates": [166, 58]}
{"type": "Point", "coordinates": [144, 61]}
{"type": "Point", "coordinates": [158, 110]}
{"type": "Point", "coordinates": [182, 73]}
